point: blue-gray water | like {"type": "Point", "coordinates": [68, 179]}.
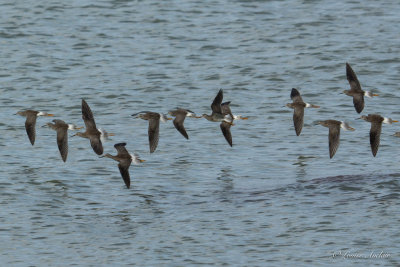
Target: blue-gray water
{"type": "Point", "coordinates": [273, 199]}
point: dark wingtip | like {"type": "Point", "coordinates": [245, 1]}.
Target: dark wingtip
{"type": "Point", "coordinates": [120, 144]}
{"type": "Point", "coordinates": [294, 93]}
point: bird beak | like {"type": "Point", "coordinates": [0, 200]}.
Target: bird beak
{"type": "Point", "coordinates": [50, 115]}
{"type": "Point", "coordinates": [78, 128]}
{"type": "Point", "coordinates": [111, 134]}
{"type": "Point", "coordinates": [375, 95]}
{"type": "Point", "coordinates": [351, 129]}
{"type": "Point", "coordinates": [168, 119]}
{"type": "Point", "coordinates": [198, 117]}
{"type": "Point", "coordinates": [395, 121]}
{"type": "Point", "coordinates": [244, 118]}
{"type": "Point", "coordinates": [142, 160]}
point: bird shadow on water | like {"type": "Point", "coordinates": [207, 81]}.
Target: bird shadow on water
{"type": "Point", "coordinates": [301, 165]}
{"type": "Point", "coordinates": [225, 185]}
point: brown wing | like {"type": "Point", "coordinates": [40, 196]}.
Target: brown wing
{"type": "Point", "coordinates": [122, 152]}
{"type": "Point", "coordinates": [30, 126]}
{"type": "Point", "coordinates": [298, 118]}
{"type": "Point", "coordinates": [124, 170]}
{"type": "Point", "coordinates": [226, 130]}
{"type": "Point", "coordinates": [358, 101]}
{"type": "Point", "coordinates": [334, 135]}
{"type": "Point", "coordinates": [375, 136]}
{"type": "Point", "coordinates": [87, 116]}
{"type": "Point", "coordinates": [96, 144]}
{"type": "Point", "coordinates": [352, 78]}
{"type": "Point", "coordinates": [62, 142]}
{"type": "Point", "coordinates": [216, 104]}
{"type": "Point", "coordinates": [226, 109]}
{"type": "Point", "coordinates": [295, 96]}
{"type": "Point", "coordinates": [178, 122]}
{"type": "Point", "coordinates": [153, 132]}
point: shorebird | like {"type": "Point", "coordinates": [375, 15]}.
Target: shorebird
{"type": "Point", "coordinates": [30, 123]}
{"type": "Point", "coordinates": [180, 116]}
{"type": "Point", "coordinates": [376, 128]}
{"type": "Point", "coordinates": [221, 113]}
{"type": "Point", "coordinates": [125, 159]}
{"type": "Point", "coordinates": [298, 105]}
{"type": "Point", "coordinates": [154, 126]}
{"type": "Point", "coordinates": [62, 137]}
{"type": "Point", "coordinates": [355, 89]}
{"type": "Point", "coordinates": [334, 133]}
{"type": "Point", "coordinates": [92, 133]}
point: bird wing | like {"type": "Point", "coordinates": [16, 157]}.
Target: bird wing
{"type": "Point", "coordinates": [123, 167]}
{"type": "Point", "coordinates": [226, 131]}
{"type": "Point", "coordinates": [352, 78]}
{"type": "Point", "coordinates": [30, 126]}
{"type": "Point", "coordinates": [87, 116]}
{"type": "Point", "coordinates": [120, 147]}
{"type": "Point", "coordinates": [62, 142]}
{"type": "Point", "coordinates": [226, 110]}
{"type": "Point", "coordinates": [298, 118]}
{"type": "Point", "coordinates": [334, 135]}
{"type": "Point", "coordinates": [358, 101]}
{"type": "Point", "coordinates": [295, 96]}
{"type": "Point", "coordinates": [153, 132]}
{"type": "Point", "coordinates": [216, 104]}
{"type": "Point", "coordinates": [375, 136]}
{"type": "Point", "coordinates": [178, 122]}
{"type": "Point", "coordinates": [96, 144]}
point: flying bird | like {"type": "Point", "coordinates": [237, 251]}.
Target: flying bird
{"type": "Point", "coordinates": [376, 129]}
{"type": "Point", "coordinates": [125, 159]}
{"type": "Point", "coordinates": [334, 133]}
{"type": "Point", "coordinates": [355, 90]}
{"type": "Point", "coordinates": [154, 126]}
{"type": "Point", "coordinates": [221, 113]}
{"type": "Point", "coordinates": [30, 123]}
{"type": "Point", "coordinates": [62, 137]}
{"type": "Point", "coordinates": [180, 116]}
{"type": "Point", "coordinates": [298, 105]}
{"type": "Point", "coordinates": [92, 133]}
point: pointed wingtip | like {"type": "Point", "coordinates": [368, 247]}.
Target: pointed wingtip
{"type": "Point", "coordinates": [294, 93]}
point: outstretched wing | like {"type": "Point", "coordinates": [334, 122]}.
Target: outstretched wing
{"type": "Point", "coordinates": [153, 132]}
{"type": "Point", "coordinates": [87, 116]}
{"type": "Point", "coordinates": [216, 104]}
{"type": "Point", "coordinates": [96, 144]}
{"type": "Point", "coordinates": [30, 126]}
{"type": "Point", "coordinates": [375, 136]}
{"type": "Point", "coordinates": [352, 78]}
{"type": "Point", "coordinates": [180, 116]}
{"type": "Point", "coordinates": [358, 101]}
{"type": "Point", "coordinates": [124, 170]}
{"type": "Point", "coordinates": [62, 142]}
{"type": "Point", "coordinates": [120, 147]}
{"type": "Point", "coordinates": [226, 131]}
{"type": "Point", "coordinates": [295, 96]}
{"type": "Point", "coordinates": [334, 135]}
{"type": "Point", "coordinates": [298, 118]}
